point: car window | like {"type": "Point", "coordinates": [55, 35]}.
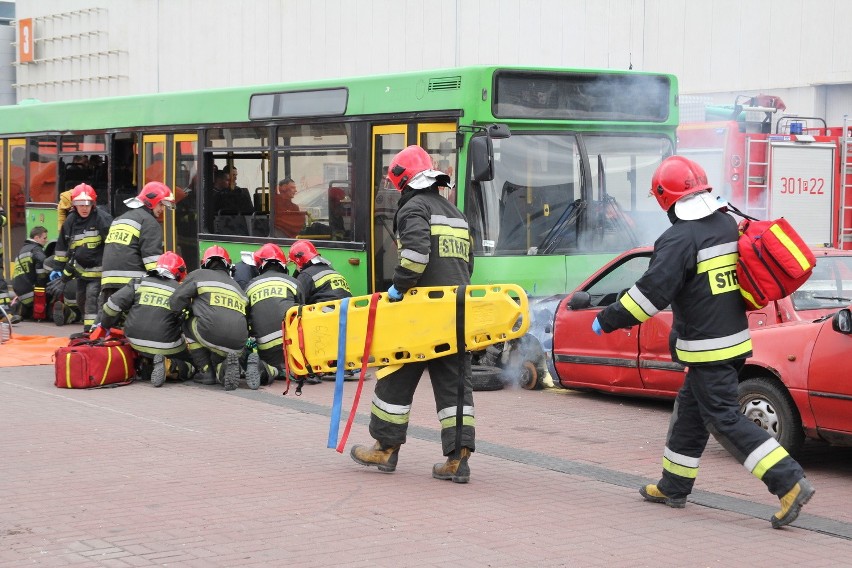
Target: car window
{"type": "Point", "coordinates": [605, 289]}
{"type": "Point", "coordinates": [830, 285]}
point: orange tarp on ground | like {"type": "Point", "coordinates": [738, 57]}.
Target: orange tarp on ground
{"type": "Point", "coordinates": [23, 350]}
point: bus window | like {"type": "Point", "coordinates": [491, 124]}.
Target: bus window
{"type": "Point", "coordinates": [317, 158]}
{"type": "Point", "coordinates": [441, 146]}
{"type": "Point", "coordinates": [43, 170]}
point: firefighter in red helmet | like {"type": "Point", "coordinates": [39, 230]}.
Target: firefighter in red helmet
{"type": "Point", "coordinates": [154, 330]}
{"type": "Point", "coordinates": [80, 251]}
{"type": "Point", "coordinates": [434, 242]}
{"type": "Point", "coordinates": [693, 269]}
{"type": "Point", "coordinates": [215, 325]}
{"type": "Point", "coordinates": [270, 295]}
{"type": "Point", "coordinates": [135, 239]}
{"type": "Point", "coordinates": [318, 280]}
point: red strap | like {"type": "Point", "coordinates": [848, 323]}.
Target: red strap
{"type": "Point", "coordinates": [368, 342]}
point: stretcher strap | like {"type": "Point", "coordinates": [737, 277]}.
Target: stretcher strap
{"type": "Point", "coordinates": [368, 344]}
{"type": "Point", "coordinates": [334, 426]}
{"type": "Point", "coordinates": [460, 298]}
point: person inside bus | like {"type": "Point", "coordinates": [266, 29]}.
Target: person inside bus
{"type": "Point", "coordinates": [289, 217]}
{"type": "Point", "coordinates": [231, 198]}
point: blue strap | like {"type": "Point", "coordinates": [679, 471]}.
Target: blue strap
{"type": "Point", "coordinates": [334, 426]}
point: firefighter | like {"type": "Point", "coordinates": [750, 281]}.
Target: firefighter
{"type": "Point", "coordinates": [270, 295]}
{"type": "Point", "coordinates": [318, 280]}
{"type": "Point", "coordinates": [152, 328]}
{"type": "Point", "coordinates": [81, 239]}
{"type": "Point", "coordinates": [135, 239]}
{"type": "Point", "coordinates": [693, 269]}
{"type": "Point", "coordinates": [215, 326]}
{"type": "Point", "coordinates": [5, 300]}
{"type": "Point", "coordinates": [30, 273]}
{"type": "Point", "coordinates": [434, 243]}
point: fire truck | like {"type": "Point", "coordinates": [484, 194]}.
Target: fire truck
{"type": "Point", "coordinates": [795, 167]}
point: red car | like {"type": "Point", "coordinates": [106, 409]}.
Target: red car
{"type": "Point", "coordinates": [790, 386]}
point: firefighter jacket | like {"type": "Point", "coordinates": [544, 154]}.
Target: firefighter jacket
{"type": "Point", "coordinates": [693, 268]}
{"type": "Point", "coordinates": [151, 326]}
{"type": "Point", "coordinates": [217, 307]}
{"type": "Point", "coordinates": [319, 282]}
{"type": "Point", "coordinates": [270, 295]}
{"type": "Point", "coordinates": [434, 242]}
{"type": "Point", "coordinates": [82, 239]}
{"type": "Point", "coordinates": [29, 271]}
{"type": "Point", "coordinates": [134, 244]}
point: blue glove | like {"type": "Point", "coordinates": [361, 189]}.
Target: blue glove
{"type": "Point", "coordinates": [394, 295]}
{"type": "Point", "coordinates": [55, 275]}
{"type": "Point", "coordinates": [596, 327]}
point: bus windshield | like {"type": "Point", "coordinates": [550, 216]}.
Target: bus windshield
{"type": "Point", "coordinates": [568, 193]}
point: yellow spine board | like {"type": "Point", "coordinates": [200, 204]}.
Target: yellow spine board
{"type": "Point", "coordinates": [420, 327]}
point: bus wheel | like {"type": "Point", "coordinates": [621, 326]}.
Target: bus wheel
{"type": "Point", "coordinates": [485, 378]}
{"type": "Point", "coordinates": [769, 406]}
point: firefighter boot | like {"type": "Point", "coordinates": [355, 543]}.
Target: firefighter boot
{"type": "Point", "coordinates": [203, 372]}
{"type": "Point", "coordinates": [791, 503]}
{"type": "Point", "coordinates": [455, 469]}
{"type": "Point", "coordinates": [158, 373]}
{"type": "Point", "coordinates": [228, 372]}
{"type": "Point", "coordinates": [255, 369]}
{"type": "Point", "coordinates": [383, 457]}
{"type": "Point", "coordinates": [58, 312]}
{"type": "Point", "coordinates": [654, 495]}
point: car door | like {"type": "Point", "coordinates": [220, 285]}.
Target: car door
{"type": "Point", "coordinates": [830, 391]}
{"type": "Point", "coordinates": [609, 362]}
{"type": "Point", "coordinates": [659, 374]}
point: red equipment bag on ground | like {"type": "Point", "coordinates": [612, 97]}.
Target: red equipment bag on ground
{"type": "Point", "coordinates": [774, 260]}
{"type": "Point", "coordinates": [87, 363]}
{"type": "Point", "coordinates": [39, 303]}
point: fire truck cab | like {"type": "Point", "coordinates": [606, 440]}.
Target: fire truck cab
{"type": "Point", "coordinates": [795, 167]}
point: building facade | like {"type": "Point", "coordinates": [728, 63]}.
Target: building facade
{"type": "Point", "coordinates": [718, 48]}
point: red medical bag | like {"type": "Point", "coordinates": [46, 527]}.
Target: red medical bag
{"type": "Point", "coordinates": [87, 363]}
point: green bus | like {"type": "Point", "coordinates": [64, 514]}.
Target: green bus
{"type": "Point", "coordinates": [551, 166]}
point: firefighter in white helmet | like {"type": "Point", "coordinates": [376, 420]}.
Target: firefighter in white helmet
{"type": "Point", "coordinates": [434, 245]}
{"type": "Point", "coordinates": [693, 269]}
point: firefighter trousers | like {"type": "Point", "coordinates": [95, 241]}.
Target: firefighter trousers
{"type": "Point", "coordinates": [88, 290]}
{"type": "Point", "coordinates": [707, 404]}
{"type": "Point", "coordinates": [394, 394]}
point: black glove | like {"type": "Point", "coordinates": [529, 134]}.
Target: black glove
{"type": "Point", "coordinates": [56, 287]}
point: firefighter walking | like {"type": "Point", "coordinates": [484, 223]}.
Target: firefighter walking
{"type": "Point", "coordinates": [693, 269]}
{"type": "Point", "coordinates": [434, 245]}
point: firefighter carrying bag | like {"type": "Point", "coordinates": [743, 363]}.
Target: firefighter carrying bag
{"type": "Point", "coordinates": [87, 363]}
{"type": "Point", "coordinates": [773, 260]}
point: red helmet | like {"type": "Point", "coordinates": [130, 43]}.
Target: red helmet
{"type": "Point", "coordinates": [213, 253]}
{"type": "Point", "coordinates": [84, 194]}
{"type": "Point", "coordinates": [302, 252]}
{"type": "Point", "coordinates": [171, 264]}
{"type": "Point", "coordinates": [412, 167]}
{"type": "Point", "coordinates": [269, 253]}
{"type": "Point", "coordinates": [676, 178]}
{"type": "Point", "coordinates": [151, 195]}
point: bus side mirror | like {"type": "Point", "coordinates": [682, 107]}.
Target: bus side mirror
{"type": "Point", "coordinates": [481, 159]}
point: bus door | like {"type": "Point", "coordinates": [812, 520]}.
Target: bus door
{"type": "Point", "coordinates": [388, 140]}
{"type": "Point", "coordinates": [439, 141]}
{"type": "Point", "coordinates": [172, 159]}
{"type": "Point", "coordinates": [12, 171]}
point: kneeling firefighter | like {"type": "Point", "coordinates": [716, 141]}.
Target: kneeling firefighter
{"type": "Point", "coordinates": [434, 243]}
{"type": "Point", "coordinates": [270, 295]}
{"type": "Point", "coordinates": [215, 324]}
{"type": "Point", "coordinates": [152, 328]}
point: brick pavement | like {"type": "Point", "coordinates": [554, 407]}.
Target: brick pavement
{"type": "Point", "coordinates": [193, 476]}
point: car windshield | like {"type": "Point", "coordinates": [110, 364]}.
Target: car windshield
{"type": "Point", "coordinates": [830, 285]}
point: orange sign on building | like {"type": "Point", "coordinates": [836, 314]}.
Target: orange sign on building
{"type": "Point", "coordinates": [25, 40]}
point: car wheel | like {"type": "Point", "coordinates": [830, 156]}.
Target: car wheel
{"type": "Point", "coordinates": [768, 405]}
{"type": "Point", "coordinates": [529, 376]}
{"type": "Point", "coordinates": [485, 378]}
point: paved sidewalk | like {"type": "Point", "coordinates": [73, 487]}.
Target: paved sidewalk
{"type": "Point", "coordinates": [187, 475]}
